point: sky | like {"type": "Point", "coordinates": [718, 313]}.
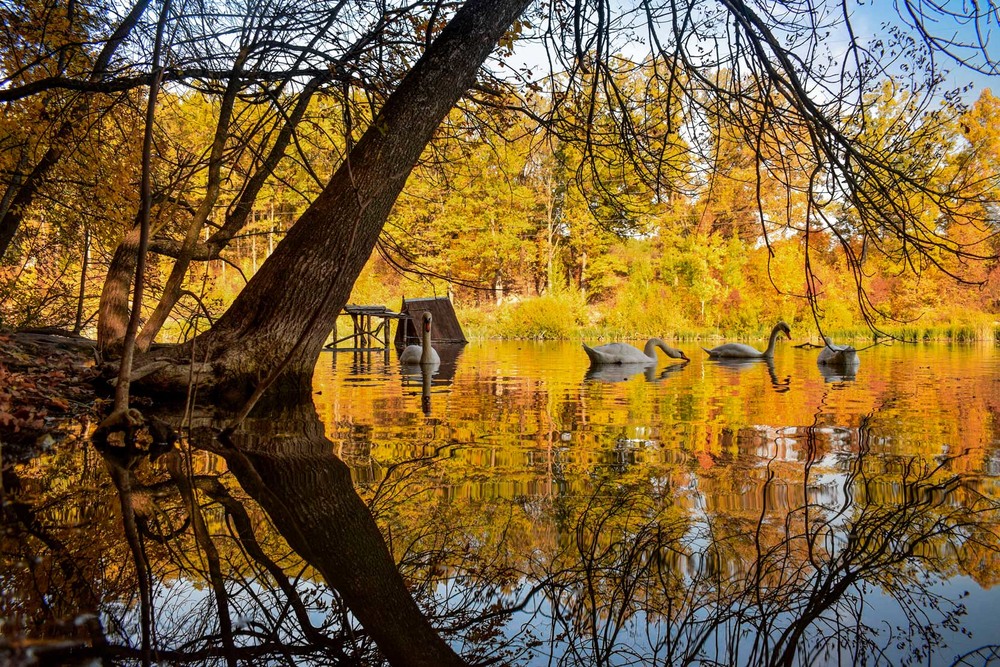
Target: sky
{"type": "Point", "coordinates": [962, 24]}
{"type": "Point", "coordinates": [952, 22]}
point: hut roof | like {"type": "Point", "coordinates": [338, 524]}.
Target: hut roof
{"type": "Point", "coordinates": [446, 328]}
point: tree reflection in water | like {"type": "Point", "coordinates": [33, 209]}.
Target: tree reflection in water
{"type": "Point", "coordinates": [639, 584]}
{"type": "Point", "coordinates": [257, 549]}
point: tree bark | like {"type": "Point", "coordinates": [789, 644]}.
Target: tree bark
{"type": "Point", "coordinates": [112, 310]}
{"type": "Point", "coordinates": [288, 308]}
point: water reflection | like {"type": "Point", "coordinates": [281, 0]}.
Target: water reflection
{"type": "Point", "coordinates": [845, 373]}
{"type": "Point", "coordinates": [284, 462]}
{"type": "Point", "coordinates": [623, 372]}
{"type": "Point", "coordinates": [554, 532]}
{"type": "Point", "coordinates": [640, 584]}
{"type": "Point", "coordinates": [741, 365]}
{"type": "Point", "coordinates": [145, 560]}
{"type": "Point", "coordinates": [444, 371]}
{"type": "Point", "coordinates": [423, 375]}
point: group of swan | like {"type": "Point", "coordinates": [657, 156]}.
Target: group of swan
{"type": "Point", "coordinates": [623, 353]}
{"type": "Point", "coordinates": [837, 356]}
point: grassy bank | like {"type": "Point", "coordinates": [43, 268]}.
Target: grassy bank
{"type": "Point", "coordinates": [959, 332]}
{"type": "Point", "coordinates": [567, 317]}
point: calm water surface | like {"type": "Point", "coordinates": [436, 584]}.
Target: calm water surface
{"type": "Point", "coordinates": [539, 514]}
{"type": "Point", "coordinates": [511, 411]}
{"type": "Point", "coordinates": [766, 474]}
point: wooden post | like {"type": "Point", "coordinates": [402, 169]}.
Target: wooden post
{"type": "Point", "coordinates": [388, 326]}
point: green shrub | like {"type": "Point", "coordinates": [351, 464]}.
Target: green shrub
{"type": "Point", "coordinates": [551, 316]}
{"type": "Point", "coordinates": [478, 323]}
{"type": "Point", "coordinates": [644, 312]}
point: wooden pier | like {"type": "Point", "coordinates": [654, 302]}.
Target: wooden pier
{"type": "Point", "coordinates": [371, 329]}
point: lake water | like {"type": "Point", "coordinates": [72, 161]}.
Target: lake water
{"type": "Point", "coordinates": [741, 460]}
{"type": "Point", "coordinates": [540, 514]}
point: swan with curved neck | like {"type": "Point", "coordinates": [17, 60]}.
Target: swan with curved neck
{"type": "Point", "coordinates": [623, 353]}
{"type": "Point", "coordinates": [741, 351]}
{"type": "Point", "coordinates": [421, 354]}
{"type": "Point", "coordinates": [838, 356]}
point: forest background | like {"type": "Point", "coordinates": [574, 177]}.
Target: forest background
{"type": "Point", "coordinates": [528, 239]}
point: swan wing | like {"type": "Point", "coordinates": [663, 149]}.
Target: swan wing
{"type": "Point", "coordinates": [734, 350]}
{"type": "Point", "coordinates": [411, 354]}
{"type": "Point", "coordinates": [616, 353]}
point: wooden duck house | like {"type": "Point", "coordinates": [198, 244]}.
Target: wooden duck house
{"type": "Point", "coordinates": [446, 329]}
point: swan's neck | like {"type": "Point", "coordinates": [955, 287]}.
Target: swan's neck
{"type": "Point", "coordinates": [770, 343]}
{"type": "Point", "coordinates": [425, 349]}
{"type": "Point", "coordinates": [653, 343]}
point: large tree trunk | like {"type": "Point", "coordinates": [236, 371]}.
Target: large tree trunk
{"type": "Point", "coordinates": [301, 288]}
{"type": "Point", "coordinates": [112, 310]}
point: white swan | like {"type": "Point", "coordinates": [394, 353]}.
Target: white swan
{"type": "Point", "coordinates": [839, 356]}
{"type": "Point", "coordinates": [421, 354]}
{"type": "Point", "coordinates": [623, 353]}
{"type": "Point", "coordinates": [741, 351]}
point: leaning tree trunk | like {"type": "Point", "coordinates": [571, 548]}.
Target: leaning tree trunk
{"type": "Point", "coordinates": [112, 311]}
{"type": "Point", "coordinates": [300, 289]}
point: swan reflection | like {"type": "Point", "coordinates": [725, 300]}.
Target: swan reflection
{"type": "Point", "coordinates": [741, 365]}
{"type": "Point", "coordinates": [624, 372]}
{"type": "Point", "coordinates": [440, 373]}
{"type": "Point", "coordinates": [424, 375]}
{"type": "Point", "coordinates": [839, 374]}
